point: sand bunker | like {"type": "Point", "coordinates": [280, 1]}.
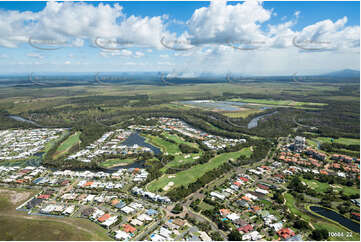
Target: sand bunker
{"type": "Point", "coordinates": [167, 187]}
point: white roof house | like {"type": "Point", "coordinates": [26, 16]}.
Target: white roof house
{"type": "Point", "coordinates": [136, 222]}
{"type": "Point", "coordinates": [217, 195]}
{"type": "Point", "coordinates": [144, 217]}
{"type": "Point", "coordinates": [110, 221]}
{"type": "Point", "coordinates": [233, 216]}
{"type": "Point", "coordinates": [254, 235]}
{"type": "Point", "coordinates": [157, 237]}
{"type": "Point", "coordinates": [69, 210]}
{"type": "Point", "coordinates": [90, 198]}
{"type": "Point", "coordinates": [121, 235]}
{"type": "Point", "coordinates": [204, 236]}
{"type": "Point", "coordinates": [262, 191]}
{"type": "Point", "coordinates": [97, 213]}
{"type": "Point", "coordinates": [250, 196]}
{"type": "Point", "coordinates": [276, 226]}
{"type": "Point", "coordinates": [341, 174]}
{"type": "Point", "coordinates": [127, 210]}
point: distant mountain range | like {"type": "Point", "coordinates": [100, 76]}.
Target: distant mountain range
{"type": "Point", "coordinates": [344, 73]}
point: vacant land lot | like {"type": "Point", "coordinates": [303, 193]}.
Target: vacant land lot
{"type": "Point", "coordinates": [45, 230]}
{"type": "Point", "coordinates": [20, 226]}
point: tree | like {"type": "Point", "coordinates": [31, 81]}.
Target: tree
{"type": "Point", "coordinates": [177, 208]}
{"type": "Point", "coordinates": [301, 224]}
{"type": "Point", "coordinates": [320, 234]}
{"type": "Point", "coordinates": [277, 196]}
{"type": "Point", "coordinates": [216, 236]}
{"type": "Point", "coordinates": [234, 236]}
{"type": "Point", "coordinates": [187, 148]}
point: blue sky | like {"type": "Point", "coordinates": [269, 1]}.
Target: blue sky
{"type": "Point", "coordinates": [183, 10]}
{"type": "Point", "coordinates": [206, 29]}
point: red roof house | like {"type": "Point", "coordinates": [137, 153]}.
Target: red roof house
{"type": "Point", "coordinates": [262, 186]}
{"type": "Point", "coordinates": [244, 179]}
{"type": "Point", "coordinates": [247, 228]}
{"type": "Point", "coordinates": [44, 196]}
{"type": "Point", "coordinates": [285, 233]}
{"type": "Point", "coordinates": [224, 212]}
{"type": "Point", "coordinates": [128, 228]}
{"type": "Point", "coordinates": [104, 217]}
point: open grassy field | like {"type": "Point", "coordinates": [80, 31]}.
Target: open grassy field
{"type": "Point", "coordinates": [178, 139]}
{"type": "Point", "coordinates": [322, 187]}
{"type": "Point", "coordinates": [50, 144]}
{"type": "Point", "coordinates": [165, 146]}
{"type": "Point", "coordinates": [45, 230]}
{"type": "Point", "coordinates": [116, 162]}
{"type": "Point", "coordinates": [316, 185]}
{"type": "Point", "coordinates": [275, 102]}
{"type": "Point", "coordinates": [311, 143]}
{"type": "Point", "coordinates": [173, 149]}
{"type": "Point", "coordinates": [344, 141]}
{"type": "Point", "coordinates": [343, 98]}
{"type": "Point", "coordinates": [20, 226]}
{"type": "Point", "coordinates": [192, 174]}
{"type": "Point", "coordinates": [67, 144]}
{"type": "Point", "coordinates": [180, 160]}
{"type": "Point", "coordinates": [241, 114]}
{"type": "Point", "coordinates": [310, 133]}
{"type": "Point", "coordinates": [350, 152]}
{"type": "Point", "coordinates": [318, 223]}
{"type": "Point", "coordinates": [205, 206]}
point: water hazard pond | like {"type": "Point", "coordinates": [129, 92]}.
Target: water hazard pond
{"type": "Point", "coordinates": [136, 139]}
{"type": "Point", "coordinates": [254, 122]}
{"type": "Point", "coordinates": [18, 118]}
{"type": "Point", "coordinates": [348, 223]}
